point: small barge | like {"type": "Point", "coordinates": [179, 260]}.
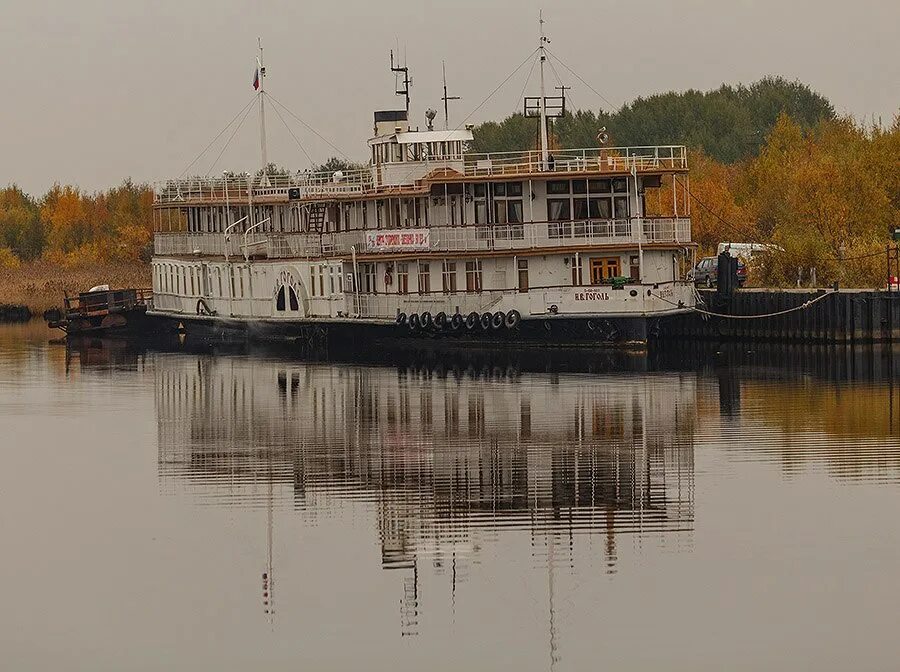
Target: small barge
{"type": "Point", "coordinates": [102, 310]}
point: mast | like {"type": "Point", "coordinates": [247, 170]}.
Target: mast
{"type": "Point", "coordinates": [262, 112]}
{"type": "Point", "coordinates": [446, 98]}
{"type": "Point", "coordinates": [545, 153]}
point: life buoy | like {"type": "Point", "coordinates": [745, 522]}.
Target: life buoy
{"type": "Point", "coordinates": [485, 321]}
{"type": "Point", "coordinates": [513, 318]}
{"type": "Point", "coordinates": [471, 321]}
{"type": "Point", "coordinates": [440, 321]}
{"type": "Point", "coordinates": [498, 320]}
{"type": "Point", "coordinates": [457, 322]}
{"type": "Point", "coordinates": [401, 319]}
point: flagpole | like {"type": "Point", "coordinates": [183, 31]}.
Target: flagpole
{"type": "Point", "coordinates": [262, 113]}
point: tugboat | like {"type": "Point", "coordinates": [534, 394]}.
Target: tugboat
{"type": "Point", "coordinates": [102, 311]}
{"type": "Point", "coordinates": [430, 240]}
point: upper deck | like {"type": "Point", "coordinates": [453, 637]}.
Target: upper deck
{"type": "Point", "coordinates": [411, 177]}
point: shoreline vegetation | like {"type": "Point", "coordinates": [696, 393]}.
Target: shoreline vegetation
{"type": "Point", "coordinates": [41, 285]}
{"type": "Point", "coordinates": [770, 163]}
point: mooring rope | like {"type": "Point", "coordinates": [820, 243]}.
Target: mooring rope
{"type": "Point", "coordinates": [802, 306]}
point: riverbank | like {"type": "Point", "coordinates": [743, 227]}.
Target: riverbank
{"type": "Point", "coordinates": [41, 285]}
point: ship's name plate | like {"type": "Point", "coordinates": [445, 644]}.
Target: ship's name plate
{"type": "Point", "coordinates": [591, 296]}
{"type": "Point", "coordinates": [397, 240]}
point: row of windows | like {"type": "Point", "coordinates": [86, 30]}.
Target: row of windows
{"type": "Point", "coordinates": [494, 203]}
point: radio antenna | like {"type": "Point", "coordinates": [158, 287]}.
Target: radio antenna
{"type": "Point", "coordinates": [446, 98]}
{"type": "Point", "coordinates": [407, 82]}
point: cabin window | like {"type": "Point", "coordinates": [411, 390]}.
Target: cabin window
{"type": "Point", "coordinates": [522, 267]}
{"type": "Point", "coordinates": [473, 276]}
{"type": "Point", "coordinates": [321, 280]}
{"type": "Point", "coordinates": [403, 278]}
{"type": "Point", "coordinates": [558, 187]}
{"type": "Point", "coordinates": [279, 300]}
{"type": "Point", "coordinates": [368, 278]}
{"type": "Point", "coordinates": [576, 270]}
{"type": "Point", "coordinates": [424, 277]}
{"type": "Point", "coordinates": [621, 207]}
{"type": "Point", "coordinates": [448, 276]}
{"type": "Point", "coordinates": [559, 210]}
{"type": "Point", "coordinates": [292, 295]}
{"type": "Point", "coordinates": [604, 268]}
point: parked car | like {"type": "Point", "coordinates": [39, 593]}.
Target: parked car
{"type": "Point", "coordinates": [706, 272]}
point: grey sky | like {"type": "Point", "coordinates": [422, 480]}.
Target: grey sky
{"type": "Point", "coordinates": [97, 91]}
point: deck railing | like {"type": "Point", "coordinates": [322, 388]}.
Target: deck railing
{"type": "Point", "coordinates": [532, 235]}
{"type": "Point", "coordinates": [310, 185]}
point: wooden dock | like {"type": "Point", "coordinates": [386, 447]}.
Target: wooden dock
{"type": "Point", "coordinates": [842, 316]}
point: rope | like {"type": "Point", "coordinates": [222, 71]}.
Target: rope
{"type": "Point", "coordinates": [581, 79]}
{"type": "Point", "coordinates": [803, 306]}
{"type": "Point", "coordinates": [230, 138]}
{"type": "Point", "coordinates": [218, 135]}
{"type": "Point", "coordinates": [302, 149]}
{"type": "Point", "coordinates": [307, 126]}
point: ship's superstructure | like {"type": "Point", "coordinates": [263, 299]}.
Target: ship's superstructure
{"type": "Point", "coordinates": [431, 238]}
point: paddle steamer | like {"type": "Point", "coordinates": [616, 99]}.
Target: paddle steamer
{"type": "Point", "coordinates": [431, 240]}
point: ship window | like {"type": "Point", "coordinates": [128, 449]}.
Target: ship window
{"type": "Point", "coordinates": [295, 306]}
{"type": "Point", "coordinates": [559, 210]}
{"type": "Point", "coordinates": [522, 266]}
{"type": "Point", "coordinates": [448, 276]}
{"type": "Point", "coordinates": [403, 278]}
{"type": "Point", "coordinates": [604, 269]}
{"type": "Point", "coordinates": [424, 277]}
{"type": "Point", "coordinates": [576, 270]}
{"type": "Point", "coordinates": [500, 189]}
{"type": "Point", "coordinates": [279, 300]}
{"type": "Point", "coordinates": [579, 186]}
{"type": "Point", "coordinates": [558, 187]}
{"type": "Point", "coordinates": [481, 212]}
{"type": "Point", "coordinates": [600, 186]}
{"type": "Point", "coordinates": [480, 190]}
{"type": "Point", "coordinates": [473, 276]}
{"type": "Point", "coordinates": [620, 185]}
{"type": "Point", "coordinates": [600, 208]}
{"type": "Point", "coordinates": [621, 203]}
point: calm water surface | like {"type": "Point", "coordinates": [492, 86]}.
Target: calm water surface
{"type": "Point", "coordinates": [694, 511]}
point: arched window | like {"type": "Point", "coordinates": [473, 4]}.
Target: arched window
{"type": "Point", "coordinates": [295, 305]}
{"type": "Point", "coordinates": [279, 301]}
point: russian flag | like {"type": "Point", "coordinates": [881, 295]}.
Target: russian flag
{"type": "Point", "coordinates": [256, 80]}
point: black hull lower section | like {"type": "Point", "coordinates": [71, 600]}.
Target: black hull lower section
{"type": "Point", "coordinates": [558, 331]}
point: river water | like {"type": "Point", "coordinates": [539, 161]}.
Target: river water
{"type": "Point", "coordinates": [728, 508]}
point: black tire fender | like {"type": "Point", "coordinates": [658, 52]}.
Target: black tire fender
{"type": "Point", "coordinates": [513, 318]}
{"type": "Point", "coordinates": [498, 320]}
{"type": "Point", "coordinates": [485, 321]}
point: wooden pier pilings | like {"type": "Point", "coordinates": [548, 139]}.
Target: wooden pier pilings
{"type": "Point", "coordinates": [843, 316]}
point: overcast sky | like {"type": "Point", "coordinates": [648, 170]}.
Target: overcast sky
{"type": "Point", "coordinates": [96, 91]}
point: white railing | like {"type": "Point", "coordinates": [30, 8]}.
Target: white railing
{"type": "Point", "coordinates": [356, 182]}
{"type": "Point", "coordinates": [612, 159]}
{"type": "Point", "coordinates": [387, 306]}
{"type": "Point", "coordinates": [526, 236]}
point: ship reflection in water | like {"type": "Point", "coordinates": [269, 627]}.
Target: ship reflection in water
{"type": "Point", "coordinates": [448, 461]}
{"type": "Point", "coordinates": [705, 507]}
